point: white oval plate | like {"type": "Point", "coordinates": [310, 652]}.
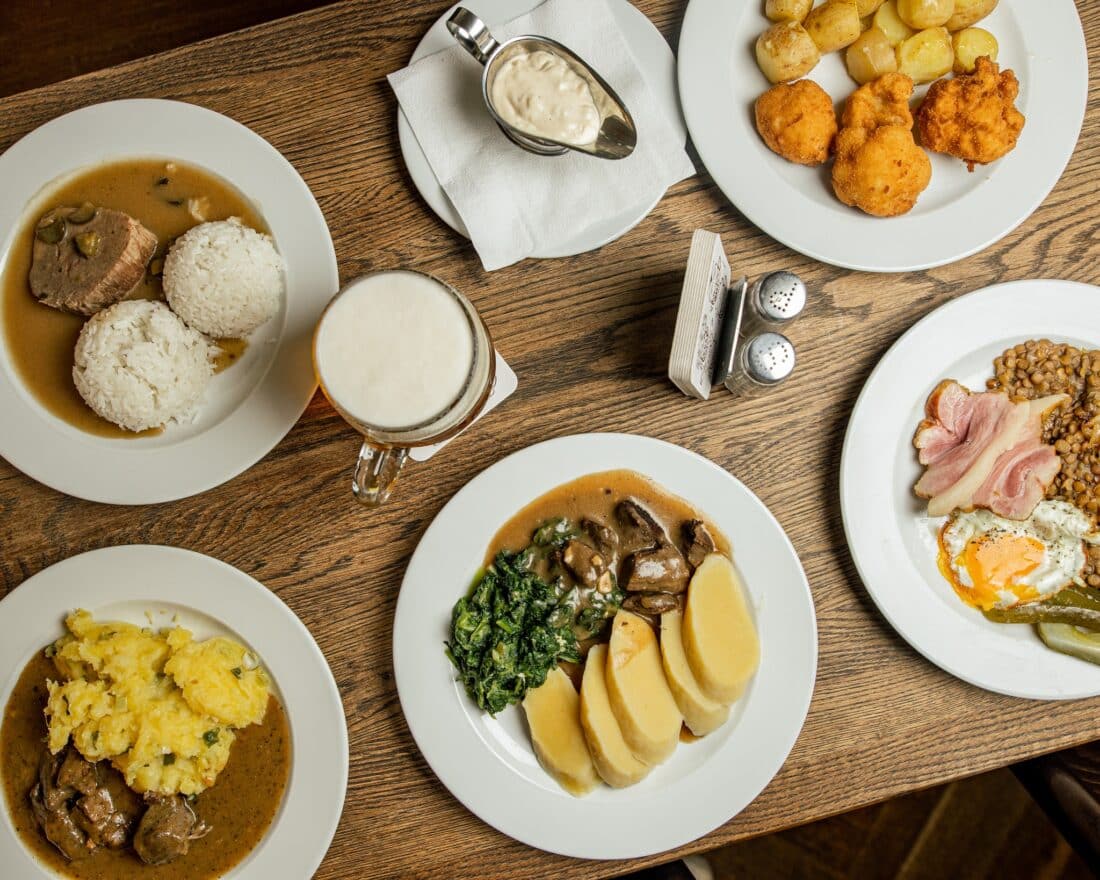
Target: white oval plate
{"type": "Point", "coordinates": [656, 60]}
{"type": "Point", "coordinates": [210, 598]}
{"type": "Point", "coordinates": [488, 763]}
{"type": "Point", "coordinates": [249, 408]}
{"type": "Point", "coordinates": [894, 554]}
{"type": "Point", "coordinates": [958, 215]}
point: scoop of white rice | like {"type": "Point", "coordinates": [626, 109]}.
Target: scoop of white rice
{"type": "Point", "coordinates": [223, 278]}
{"type": "Point", "coordinates": [138, 365]}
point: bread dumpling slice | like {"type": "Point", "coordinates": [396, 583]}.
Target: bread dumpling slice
{"type": "Point", "coordinates": [614, 761]}
{"type": "Point", "coordinates": [553, 714]}
{"type": "Point", "coordinates": [719, 636]}
{"type": "Point", "coordinates": [701, 714]}
{"type": "Point", "coordinates": [639, 695]}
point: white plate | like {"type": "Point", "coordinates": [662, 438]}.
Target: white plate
{"type": "Point", "coordinates": [959, 214]}
{"type": "Point", "coordinates": [655, 59]}
{"type": "Point", "coordinates": [249, 408]}
{"type": "Point", "coordinates": [210, 598]}
{"type": "Point", "coordinates": [894, 553]}
{"type": "Point", "coordinates": [488, 763]}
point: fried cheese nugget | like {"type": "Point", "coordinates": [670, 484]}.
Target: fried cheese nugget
{"type": "Point", "coordinates": [972, 116]}
{"type": "Point", "coordinates": [879, 168]}
{"type": "Point", "coordinates": [797, 121]}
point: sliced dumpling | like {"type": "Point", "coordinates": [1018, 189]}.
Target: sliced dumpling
{"type": "Point", "coordinates": [719, 636]}
{"type": "Point", "coordinates": [614, 761]}
{"type": "Point", "coordinates": [701, 714]}
{"type": "Point", "coordinates": [639, 695]}
{"type": "Point", "coordinates": [553, 714]}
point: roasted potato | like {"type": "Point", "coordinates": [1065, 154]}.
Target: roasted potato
{"type": "Point", "coordinates": [870, 57]}
{"type": "Point", "coordinates": [787, 10]}
{"type": "Point", "coordinates": [833, 25]}
{"type": "Point", "coordinates": [785, 51]}
{"type": "Point", "coordinates": [886, 20]}
{"type": "Point", "coordinates": [970, 44]}
{"type": "Point", "coordinates": [927, 55]}
{"type": "Point", "coordinates": [968, 12]}
{"type": "Point", "coordinates": [921, 14]}
{"type": "Point", "coordinates": [867, 7]}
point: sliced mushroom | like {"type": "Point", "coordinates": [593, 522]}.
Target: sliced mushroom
{"type": "Point", "coordinates": [583, 562]}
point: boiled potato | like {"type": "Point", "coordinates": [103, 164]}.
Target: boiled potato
{"type": "Point", "coordinates": [639, 695]}
{"type": "Point", "coordinates": [971, 44]}
{"type": "Point", "coordinates": [787, 10]}
{"type": "Point", "coordinates": [614, 761]}
{"type": "Point", "coordinates": [887, 21]}
{"type": "Point", "coordinates": [786, 52]}
{"type": "Point", "coordinates": [921, 14]}
{"type": "Point", "coordinates": [833, 25]}
{"type": "Point", "coordinates": [701, 714]}
{"type": "Point", "coordinates": [720, 639]}
{"type": "Point", "coordinates": [870, 57]}
{"type": "Point", "coordinates": [927, 55]}
{"type": "Point", "coordinates": [867, 7]}
{"type": "Point", "coordinates": [968, 12]}
{"type": "Point", "coordinates": [553, 714]}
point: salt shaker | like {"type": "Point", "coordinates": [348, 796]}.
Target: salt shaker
{"type": "Point", "coordinates": [760, 362]}
{"type": "Point", "coordinates": [773, 300]}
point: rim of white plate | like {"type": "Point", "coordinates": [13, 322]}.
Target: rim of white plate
{"type": "Point", "coordinates": [958, 215]}
{"type": "Point", "coordinates": [878, 468]}
{"type": "Point", "coordinates": [249, 408]}
{"type": "Point", "coordinates": [488, 764]}
{"type": "Point", "coordinates": [211, 595]}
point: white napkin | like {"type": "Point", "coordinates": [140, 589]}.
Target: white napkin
{"type": "Point", "coordinates": [514, 203]}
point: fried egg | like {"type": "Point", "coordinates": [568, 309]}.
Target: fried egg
{"type": "Point", "coordinates": [993, 562]}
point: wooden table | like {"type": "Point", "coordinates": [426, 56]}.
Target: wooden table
{"type": "Point", "coordinates": [589, 338]}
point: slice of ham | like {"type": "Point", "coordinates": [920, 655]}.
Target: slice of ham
{"type": "Point", "coordinates": [984, 450]}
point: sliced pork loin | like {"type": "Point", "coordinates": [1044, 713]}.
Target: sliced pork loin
{"type": "Point", "coordinates": [87, 258]}
{"type": "Point", "coordinates": [984, 450]}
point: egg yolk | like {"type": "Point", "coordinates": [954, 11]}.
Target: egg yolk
{"type": "Point", "coordinates": [994, 563]}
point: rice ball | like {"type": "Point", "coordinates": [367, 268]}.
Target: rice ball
{"type": "Point", "coordinates": [224, 278]}
{"type": "Point", "coordinates": [138, 365]}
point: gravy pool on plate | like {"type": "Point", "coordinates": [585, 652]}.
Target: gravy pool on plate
{"type": "Point", "coordinates": [237, 809]}
{"type": "Point", "coordinates": [158, 193]}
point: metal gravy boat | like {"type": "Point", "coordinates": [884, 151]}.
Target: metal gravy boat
{"type": "Point", "coordinates": [617, 134]}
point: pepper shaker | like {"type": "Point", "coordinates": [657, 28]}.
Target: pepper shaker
{"type": "Point", "coordinates": [760, 363]}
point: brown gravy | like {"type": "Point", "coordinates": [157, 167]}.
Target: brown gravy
{"type": "Point", "coordinates": [240, 806]}
{"type": "Point", "coordinates": [596, 495]}
{"type": "Point", "coordinates": [40, 339]}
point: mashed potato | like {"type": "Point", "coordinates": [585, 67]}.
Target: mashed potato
{"type": "Point", "coordinates": [160, 706]}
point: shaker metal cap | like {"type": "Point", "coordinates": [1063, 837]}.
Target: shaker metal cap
{"type": "Point", "coordinates": [769, 358]}
{"type": "Point", "coordinates": [779, 296]}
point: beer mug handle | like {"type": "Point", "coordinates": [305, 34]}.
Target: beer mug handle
{"type": "Point", "coordinates": [375, 473]}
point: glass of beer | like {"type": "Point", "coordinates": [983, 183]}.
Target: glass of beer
{"type": "Point", "coordinates": [407, 361]}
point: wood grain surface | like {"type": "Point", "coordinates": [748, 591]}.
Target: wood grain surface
{"type": "Point", "coordinates": [589, 338]}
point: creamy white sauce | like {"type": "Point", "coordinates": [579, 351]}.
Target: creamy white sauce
{"type": "Point", "coordinates": [540, 94]}
{"type": "Point", "coordinates": [394, 350]}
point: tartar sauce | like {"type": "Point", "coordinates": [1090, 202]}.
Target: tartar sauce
{"type": "Point", "coordinates": [540, 94]}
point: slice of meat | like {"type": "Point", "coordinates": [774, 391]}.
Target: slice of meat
{"type": "Point", "coordinates": [167, 829]}
{"type": "Point", "coordinates": [584, 563]}
{"type": "Point", "coordinates": [101, 821]}
{"type": "Point", "coordinates": [698, 542]}
{"type": "Point", "coordinates": [77, 773]}
{"type": "Point", "coordinates": [660, 569]}
{"type": "Point", "coordinates": [640, 526]}
{"type": "Point", "coordinates": [85, 267]}
{"type": "Point", "coordinates": [652, 603]}
{"type": "Point", "coordinates": [50, 806]}
{"type": "Point", "coordinates": [1021, 475]}
{"type": "Point", "coordinates": [961, 441]}
{"type": "Point", "coordinates": [603, 538]}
